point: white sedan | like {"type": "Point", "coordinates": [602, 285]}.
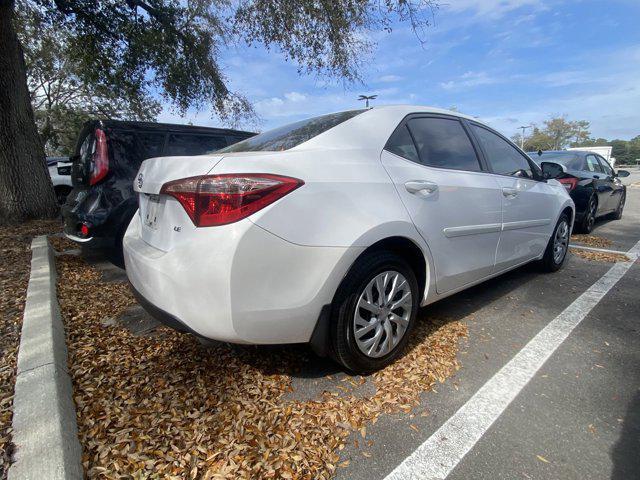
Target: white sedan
{"type": "Point", "coordinates": [334, 230]}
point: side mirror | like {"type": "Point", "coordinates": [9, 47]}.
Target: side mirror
{"type": "Point", "coordinates": [551, 170]}
{"type": "Point", "coordinates": [623, 173]}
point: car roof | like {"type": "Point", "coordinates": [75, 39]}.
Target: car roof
{"type": "Point", "coordinates": [166, 127]}
{"type": "Point", "coordinates": [409, 109]}
{"type": "Point", "coordinates": [372, 128]}
{"type": "Point", "coordinates": [561, 153]}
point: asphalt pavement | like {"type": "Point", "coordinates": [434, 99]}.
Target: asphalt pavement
{"type": "Point", "coordinates": [577, 417]}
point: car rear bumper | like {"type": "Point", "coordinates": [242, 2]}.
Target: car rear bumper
{"type": "Point", "coordinates": [237, 283]}
{"type": "Point", "coordinates": [105, 216]}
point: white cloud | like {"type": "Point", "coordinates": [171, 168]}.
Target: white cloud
{"type": "Point", "coordinates": [389, 78]}
{"type": "Point", "coordinates": [469, 80]}
{"type": "Point", "coordinates": [492, 9]}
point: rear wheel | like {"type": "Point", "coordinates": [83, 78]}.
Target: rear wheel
{"type": "Point", "coordinates": [558, 246]}
{"type": "Point", "coordinates": [589, 219]}
{"type": "Point", "coordinates": [374, 312]}
{"type": "Point", "coordinates": [617, 215]}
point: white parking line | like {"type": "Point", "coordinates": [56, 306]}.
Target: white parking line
{"type": "Point", "coordinates": [594, 249]}
{"type": "Point", "coordinates": [443, 450]}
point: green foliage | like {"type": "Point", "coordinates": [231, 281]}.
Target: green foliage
{"type": "Point", "coordinates": [62, 98]}
{"type": "Point", "coordinates": [557, 133]}
{"type": "Point", "coordinates": [173, 47]}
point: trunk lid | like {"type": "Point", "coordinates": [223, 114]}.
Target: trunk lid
{"type": "Point", "coordinates": [160, 214]}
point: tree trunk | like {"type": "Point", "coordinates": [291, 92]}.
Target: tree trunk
{"type": "Point", "coordinates": [25, 186]}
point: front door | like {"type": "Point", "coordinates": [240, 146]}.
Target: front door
{"type": "Point", "coordinates": [527, 204]}
{"type": "Point", "coordinates": [454, 204]}
{"type": "Point", "coordinates": [613, 184]}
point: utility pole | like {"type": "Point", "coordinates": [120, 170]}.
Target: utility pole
{"type": "Point", "coordinates": [367, 98]}
{"type": "Point", "coordinates": [523, 127]}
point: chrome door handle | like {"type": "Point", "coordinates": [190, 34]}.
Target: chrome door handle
{"type": "Point", "coordinates": [421, 188]}
{"type": "Point", "coordinates": [509, 192]}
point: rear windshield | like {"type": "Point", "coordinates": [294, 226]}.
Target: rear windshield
{"type": "Point", "coordinates": [572, 162]}
{"type": "Point", "coordinates": [291, 135]}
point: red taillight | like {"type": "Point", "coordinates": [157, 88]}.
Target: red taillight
{"type": "Point", "coordinates": [212, 200]}
{"type": "Point", "coordinates": [100, 160]}
{"type": "Point", "coordinates": [569, 183]}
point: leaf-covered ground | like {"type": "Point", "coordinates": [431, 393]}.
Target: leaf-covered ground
{"type": "Point", "coordinates": [15, 263]}
{"type": "Point", "coordinates": [599, 256]}
{"type": "Point", "coordinates": [163, 406]}
{"type": "Point", "coordinates": [591, 240]}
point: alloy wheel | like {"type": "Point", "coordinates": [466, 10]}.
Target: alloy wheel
{"type": "Point", "coordinates": [382, 314]}
{"type": "Point", "coordinates": [561, 242]}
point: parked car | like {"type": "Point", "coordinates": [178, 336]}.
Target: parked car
{"type": "Point", "coordinates": [60, 173]}
{"type": "Point", "coordinates": [107, 157]}
{"type": "Point", "coordinates": [592, 184]}
{"type": "Point", "coordinates": [333, 230]}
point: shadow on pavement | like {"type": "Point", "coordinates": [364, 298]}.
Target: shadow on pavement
{"type": "Point", "coordinates": [625, 454]}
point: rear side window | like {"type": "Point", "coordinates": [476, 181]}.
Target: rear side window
{"type": "Point", "coordinates": [151, 144]}
{"type": "Point", "coordinates": [443, 143]}
{"type": "Point", "coordinates": [185, 144]}
{"type": "Point", "coordinates": [402, 144]}
{"type": "Point", "coordinates": [593, 165]}
{"type": "Point", "coordinates": [502, 156]}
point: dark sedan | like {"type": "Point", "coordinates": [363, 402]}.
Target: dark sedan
{"type": "Point", "coordinates": [593, 185]}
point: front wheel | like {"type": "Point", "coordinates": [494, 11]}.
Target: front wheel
{"type": "Point", "coordinates": [374, 312]}
{"type": "Point", "coordinates": [558, 246]}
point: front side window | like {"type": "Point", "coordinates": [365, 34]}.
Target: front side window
{"type": "Point", "coordinates": [443, 143]}
{"type": "Point", "coordinates": [291, 135]}
{"type": "Point", "coordinates": [503, 158]}
{"type": "Point", "coordinates": [402, 144]}
{"type": "Point", "coordinates": [605, 165]}
{"type": "Point", "coordinates": [593, 165]}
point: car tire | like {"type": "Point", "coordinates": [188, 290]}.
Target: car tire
{"type": "Point", "coordinates": [617, 215]}
{"type": "Point", "coordinates": [366, 339]}
{"type": "Point", "coordinates": [558, 246]}
{"type": "Point", "coordinates": [589, 219]}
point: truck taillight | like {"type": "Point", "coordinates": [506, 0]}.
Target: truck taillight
{"type": "Point", "coordinates": [212, 200]}
{"type": "Point", "coordinates": [100, 159]}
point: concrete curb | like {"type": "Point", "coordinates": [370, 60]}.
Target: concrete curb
{"type": "Point", "coordinates": [45, 433]}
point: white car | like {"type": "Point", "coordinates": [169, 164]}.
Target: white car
{"type": "Point", "coordinates": [60, 173]}
{"type": "Point", "coordinates": [334, 230]}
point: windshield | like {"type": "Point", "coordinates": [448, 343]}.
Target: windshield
{"type": "Point", "coordinates": [571, 161]}
{"type": "Point", "coordinates": [291, 135]}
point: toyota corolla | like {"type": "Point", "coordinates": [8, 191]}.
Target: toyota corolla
{"type": "Point", "coordinates": [334, 230]}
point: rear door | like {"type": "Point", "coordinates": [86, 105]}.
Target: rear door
{"type": "Point", "coordinates": [603, 187]}
{"type": "Point", "coordinates": [454, 204]}
{"type": "Point", "coordinates": [527, 204]}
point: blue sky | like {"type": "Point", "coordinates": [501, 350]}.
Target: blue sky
{"type": "Point", "coordinates": [508, 62]}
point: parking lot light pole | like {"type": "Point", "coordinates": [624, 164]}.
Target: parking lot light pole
{"type": "Point", "coordinates": [523, 127]}
{"type": "Point", "coordinates": [367, 98]}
